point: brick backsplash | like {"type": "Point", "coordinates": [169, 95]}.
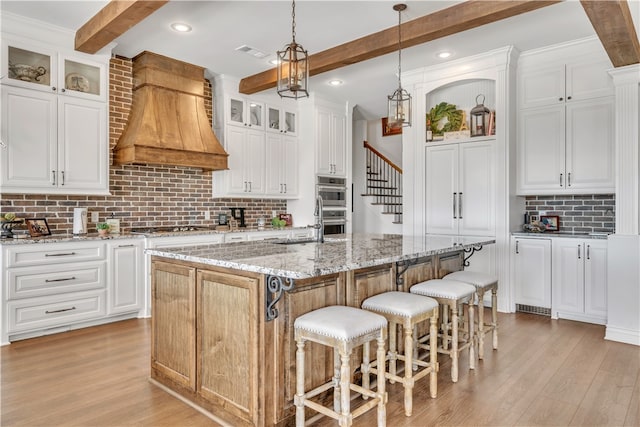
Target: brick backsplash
{"type": "Point", "coordinates": [578, 214]}
{"type": "Point", "coordinates": [141, 196]}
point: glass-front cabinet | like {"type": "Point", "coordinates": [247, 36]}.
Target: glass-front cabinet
{"type": "Point", "coordinates": [245, 112]}
{"type": "Point", "coordinates": [39, 68]}
{"type": "Point", "coordinates": [281, 120]}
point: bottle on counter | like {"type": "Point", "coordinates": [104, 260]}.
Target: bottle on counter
{"type": "Point", "coordinates": [429, 131]}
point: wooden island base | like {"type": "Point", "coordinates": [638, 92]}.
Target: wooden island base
{"type": "Point", "coordinates": [212, 342]}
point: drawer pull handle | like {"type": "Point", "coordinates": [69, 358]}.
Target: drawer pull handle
{"type": "Point", "coordinates": [126, 246]}
{"type": "Point", "coordinates": [59, 311]}
{"type": "Point", "coordinates": [62, 254]}
{"type": "Point", "coordinates": [59, 280]}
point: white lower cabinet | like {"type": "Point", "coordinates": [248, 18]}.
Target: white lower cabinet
{"type": "Point", "coordinates": [58, 286]}
{"type": "Point", "coordinates": [126, 283]}
{"type": "Point", "coordinates": [531, 263]}
{"type": "Point", "coordinates": [580, 280]}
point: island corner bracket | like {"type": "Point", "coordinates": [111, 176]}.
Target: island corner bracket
{"type": "Point", "coordinates": [470, 251]}
{"type": "Point", "coordinates": [273, 289]}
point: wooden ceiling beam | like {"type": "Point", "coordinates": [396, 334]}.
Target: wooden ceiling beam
{"type": "Point", "coordinates": [112, 21]}
{"type": "Point", "coordinates": [614, 25]}
{"type": "Point", "coordinates": [454, 19]}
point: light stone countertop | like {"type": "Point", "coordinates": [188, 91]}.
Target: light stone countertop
{"type": "Point", "coordinates": [305, 260]}
{"type": "Point", "coordinates": [554, 234]}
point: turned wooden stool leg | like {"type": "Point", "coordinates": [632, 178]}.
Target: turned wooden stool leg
{"type": "Point", "coordinates": [393, 350]}
{"type": "Point", "coordinates": [472, 345]}
{"type": "Point", "coordinates": [408, 369]}
{"type": "Point", "coordinates": [382, 403]}
{"type": "Point", "coordinates": [345, 394]}
{"type": "Point", "coordinates": [433, 355]}
{"type": "Point", "coordinates": [480, 293]}
{"type": "Point", "coordinates": [336, 380]}
{"type": "Point", "coordinates": [494, 316]}
{"type": "Point", "coordinates": [299, 400]}
{"type": "Point", "coordinates": [366, 368]}
{"type": "Point", "coordinates": [454, 342]}
{"type": "Point", "coordinates": [445, 327]}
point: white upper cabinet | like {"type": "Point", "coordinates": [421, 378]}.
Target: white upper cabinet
{"type": "Point", "coordinates": [281, 165]}
{"type": "Point", "coordinates": [244, 112]}
{"type": "Point", "coordinates": [331, 137]}
{"type": "Point", "coordinates": [280, 120]}
{"type": "Point", "coordinates": [565, 128]}
{"type": "Point", "coordinates": [44, 69]}
{"type": "Point", "coordinates": [54, 122]}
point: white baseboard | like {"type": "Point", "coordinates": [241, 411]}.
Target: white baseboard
{"type": "Point", "coordinates": [623, 335]}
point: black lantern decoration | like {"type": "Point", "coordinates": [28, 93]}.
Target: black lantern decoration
{"type": "Point", "coordinates": [293, 66]}
{"type": "Point", "coordinates": [480, 118]}
{"type": "Point", "coordinates": [399, 104]}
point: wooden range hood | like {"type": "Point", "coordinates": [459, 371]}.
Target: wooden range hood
{"type": "Point", "coordinates": [168, 123]}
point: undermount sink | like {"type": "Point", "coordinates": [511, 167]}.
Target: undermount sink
{"type": "Point", "coordinates": [308, 240]}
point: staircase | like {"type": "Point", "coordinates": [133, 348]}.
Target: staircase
{"type": "Point", "coordinates": [384, 183]}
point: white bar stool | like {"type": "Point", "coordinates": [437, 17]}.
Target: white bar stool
{"type": "Point", "coordinates": [407, 310]}
{"type": "Point", "coordinates": [482, 283]}
{"type": "Point", "coordinates": [450, 295]}
{"type": "Point", "coordinates": [342, 328]}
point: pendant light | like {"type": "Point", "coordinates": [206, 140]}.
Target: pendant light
{"type": "Point", "coordinates": [293, 66]}
{"type": "Point", "coordinates": [399, 112]}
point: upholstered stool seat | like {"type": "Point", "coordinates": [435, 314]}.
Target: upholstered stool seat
{"type": "Point", "coordinates": [483, 282]}
{"type": "Point", "coordinates": [342, 328]}
{"type": "Point", "coordinates": [402, 308]}
{"type": "Point", "coordinates": [451, 295]}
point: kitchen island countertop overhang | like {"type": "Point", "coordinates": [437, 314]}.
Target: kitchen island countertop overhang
{"type": "Point", "coordinates": [307, 260]}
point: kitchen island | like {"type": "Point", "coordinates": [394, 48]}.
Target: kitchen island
{"type": "Point", "coordinates": [222, 314]}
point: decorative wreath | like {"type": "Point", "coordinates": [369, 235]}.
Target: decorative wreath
{"type": "Point", "coordinates": [443, 111]}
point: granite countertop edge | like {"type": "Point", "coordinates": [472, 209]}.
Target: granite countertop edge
{"type": "Point", "coordinates": [256, 264]}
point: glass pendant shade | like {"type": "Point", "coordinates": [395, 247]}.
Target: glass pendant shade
{"type": "Point", "coordinates": [293, 66]}
{"type": "Point", "coordinates": [293, 71]}
{"type": "Point", "coordinates": [399, 108]}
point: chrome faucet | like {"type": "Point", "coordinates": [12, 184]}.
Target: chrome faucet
{"type": "Point", "coordinates": [319, 225]}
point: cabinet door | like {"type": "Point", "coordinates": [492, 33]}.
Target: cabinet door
{"type": "Point", "coordinates": [28, 66]}
{"type": "Point", "coordinates": [541, 155]}
{"type": "Point", "coordinates": [441, 186]}
{"type": "Point", "coordinates": [339, 136]}
{"type": "Point", "coordinates": [590, 145]}
{"type": "Point", "coordinates": [532, 268]}
{"type": "Point", "coordinates": [228, 374]}
{"type": "Point", "coordinates": [541, 86]}
{"type": "Point", "coordinates": [274, 164]}
{"type": "Point", "coordinates": [29, 131]}
{"type": "Point", "coordinates": [290, 168]}
{"type": "Point", "coordinates": [595, 279]}
{"type": "Point", "coordinates": [82, 78]}
{"type": "Point", "coordinates": [235, 147]}
{"type": "Point", "coordinates": [568, 276]}
{"type": "Point", "coordinates": [476, 195]}
{"type": "Point", "coordinates": [588, 79]}
{"type": "Point", "coordinates": [125, 276]}
{"type": "Point", "coordinates": [173, 324]}
{"type": "Point", "coordinates": [290, 122]}
{"type": "Point", "coordinates": [82, 141]}
{"type": "Point", "coordinates": [324, 141]}
{"type": "Point", "coordinates": [254, 161]}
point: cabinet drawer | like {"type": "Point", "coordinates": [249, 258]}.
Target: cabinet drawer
{"type": "Point", "coordinates": [55, 279]}
{"type": "Point", "coordinates": [46, 312]}
{"type": "Point", "coordinates": [29, 255]}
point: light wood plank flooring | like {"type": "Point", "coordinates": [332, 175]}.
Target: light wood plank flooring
{"type": "Point", "coordinates": [545, 372]}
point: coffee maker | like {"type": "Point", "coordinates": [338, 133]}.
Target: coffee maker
{"type": "Point", "coordinates": [238, 215]}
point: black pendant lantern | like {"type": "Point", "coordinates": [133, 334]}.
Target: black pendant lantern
{"type": "Point", "coordinates": [399, 104]}
{"type": "Point", "coordinates": [479, 119]}
{"type": "Point", "coordinates": [293, 66]}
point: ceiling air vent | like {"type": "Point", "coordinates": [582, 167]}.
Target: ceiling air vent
{"type": "Point", "coordinates": [251, 51]}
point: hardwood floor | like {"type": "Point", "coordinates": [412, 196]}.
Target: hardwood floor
{"type": "Point", "coordinates": [545, 372]}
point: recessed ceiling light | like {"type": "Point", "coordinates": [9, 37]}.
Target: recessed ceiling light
{"type": "Point", "coordinates": [181, 27]}
{"type": "Point", "coordinates": [274, 61]}
{"type": "Point", "coordinates": [335, 82]}
{"type": "Point", "coordinates": [444, 54]}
